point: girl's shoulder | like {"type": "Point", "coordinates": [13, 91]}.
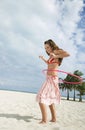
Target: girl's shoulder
{"type": "Point", "coordinates": [56, 52]}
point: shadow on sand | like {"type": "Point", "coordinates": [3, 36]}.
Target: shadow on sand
{"type": "Point", "coordinates": [17, 117]}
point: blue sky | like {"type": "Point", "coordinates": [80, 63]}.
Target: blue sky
{"type": "Point", "coordinates": [25, 25]}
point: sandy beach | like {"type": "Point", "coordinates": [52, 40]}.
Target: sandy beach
{"type": "Point", "coordinates": [20, 111]}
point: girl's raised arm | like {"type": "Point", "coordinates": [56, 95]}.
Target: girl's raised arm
{"type": "Point", "coordinates": [61, 53]}
{"type": "Point", "coordinates": [43, 59]}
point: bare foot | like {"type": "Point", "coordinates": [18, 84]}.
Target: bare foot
{"type": "Point", "coordinates": [43, 122]}
{"type": "Point", "coordinates": [53, 120]}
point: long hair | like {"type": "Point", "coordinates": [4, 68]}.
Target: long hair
{"type": "Point", "coordinates": [53, 45]}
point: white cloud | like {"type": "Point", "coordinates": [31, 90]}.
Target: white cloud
{"type": "Point", "coordinates": [24, 26]}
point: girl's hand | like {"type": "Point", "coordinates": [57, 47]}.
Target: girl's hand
{"type": "Point", "coordinates": [52, 55]}
{"type": "Point", "coordinates": [41, 57]}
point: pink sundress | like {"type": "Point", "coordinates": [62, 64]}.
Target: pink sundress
{"type": "Point", "coordinates": [49, 92]}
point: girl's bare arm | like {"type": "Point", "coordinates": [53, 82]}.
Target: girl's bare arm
{"type": "Point", "coordinates": [43, 59]}
{"type": "Point", "coordinates": [61, 54]}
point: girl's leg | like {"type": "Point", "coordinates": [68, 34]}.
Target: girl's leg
{"type": "Point", "coordinates": [44, 112]}
{"type": "Point", "coordinates": [53, 112]}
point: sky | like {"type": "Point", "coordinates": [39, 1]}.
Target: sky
{"type": "Point", "coordinates": [25, 25]}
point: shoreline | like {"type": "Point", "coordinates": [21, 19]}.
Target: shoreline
{"type": "Point", "coordinates": [62, 97]}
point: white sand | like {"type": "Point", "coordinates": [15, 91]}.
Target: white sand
{"type": "Point", "coordinates": [20, 111]}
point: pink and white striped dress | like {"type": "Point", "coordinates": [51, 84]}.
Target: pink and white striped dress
{"type": "Point", "coordinates": [49, 92]}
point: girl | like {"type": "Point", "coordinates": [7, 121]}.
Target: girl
{"type": "Point", "coordinates": [49, 93]}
